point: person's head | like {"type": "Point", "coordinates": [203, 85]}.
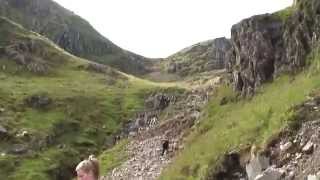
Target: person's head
{"type": "Point", "coordinates": [88, 169]}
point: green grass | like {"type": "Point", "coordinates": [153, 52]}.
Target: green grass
{"type": "Point", "coordinates": [285, 13]}
{"type": "Point", "coordinates": [238, 124]}
{"type": "Point", "coordinates": [113, 157]}
{"type": "Point", "coordinates": [49, 161]}
{"type": "Point", "coordinates": [83, 113]}
{"type": "Point", "coordinates": [85, 110]}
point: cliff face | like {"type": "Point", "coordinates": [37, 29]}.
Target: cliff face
{"type": "Point", "coordinates": [71, 32]}
{"type": "Point", "coordinates": [255, 48]}
{"type": "Point", "coordinates": [202, 57]}
{"type": "Point", "coordinates": [266, 45]}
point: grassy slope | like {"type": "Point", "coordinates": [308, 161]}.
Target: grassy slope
{"type": "Point", "coordinates": [192, 62]}
{"type": "Point", "coordinates": [86, 109]}
{"type": "Point", "coordinates": [113, 157]}
{"type": "Point", "coordinates": [237, 125]}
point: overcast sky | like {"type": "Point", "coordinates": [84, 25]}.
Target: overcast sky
{"type": "Point", "coordinates": [159, 28]}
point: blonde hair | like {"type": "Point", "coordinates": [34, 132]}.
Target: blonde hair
{"type": "Point", "coordinates": [90, 165]}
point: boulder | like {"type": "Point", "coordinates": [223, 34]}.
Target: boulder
{"type": "Point", "coordinates": [270, 174]}
{"type": "Point", "coordinates": [23, 134]}
{"type": "Point", "coordinates": [37, 66]}
{"type": "Point", "coordinates": [285, 147]}
{"type": "Point", "coordinates": [158, 102]}
{"type": "Point", "coordinates": [38, 101]}
{"type": "Point", "coordinates": [256, 166]}
{"type": "Point", "coordinates": [19, 149]}
{"type": "Point", "coordinates": [308, 148]}
{"type": "Point", "coordinates": [98, 68]}
{"type": "Point", "coordinates": [3, 132]}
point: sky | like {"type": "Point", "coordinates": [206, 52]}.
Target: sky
{"type": "Point", "coordinates": [159, 28]}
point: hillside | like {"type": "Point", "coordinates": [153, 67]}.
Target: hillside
{"type": "Point", "coordinates": [202, 57]}
{"type": "Point", "coordinates": [274, 66]}
{"type": "Point", "coordinates": [71, 33]}
{"type": "Point", "coordinates": [241, 108]}
{"type": "Point", "coordinates": [56, 108]}
{"type": "Point", "coordinates": [204, 60]}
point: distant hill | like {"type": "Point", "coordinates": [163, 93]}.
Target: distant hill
{"type": "Point", "coordinates": [72, 33]}
{"type": "Point", "coordinates": [201, 57]}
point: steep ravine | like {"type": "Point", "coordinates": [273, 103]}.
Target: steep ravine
{"type": "Point", "coordinates": [166, 118]}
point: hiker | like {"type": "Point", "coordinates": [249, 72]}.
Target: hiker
{"type": "Point", "coordinates": [88, 169]}
{"type": "Point", "coordinates": [165, 146]}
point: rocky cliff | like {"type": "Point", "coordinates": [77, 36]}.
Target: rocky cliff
{"type": "Point", "coordinates": [266, 45]}
{"type": "Point", "coordinates": [71, 32]}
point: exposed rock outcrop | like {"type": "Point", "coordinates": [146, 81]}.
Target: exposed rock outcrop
{"type": "Point", "coordinates": [98, 68]}
{"type": "Point", "coordinates": [167, 119]}
{"type": "Point", "coordinates": [159, 101]}
{"type": "Point", "coordinates": [38, 101]}
{"type": "Point", "coordinates": [265, 46]}
{"type": "Point", "coordinates": [149, 118]}
{"type": "Point", "coordinates": [295, 153]}
{"type": "Point", "coordinates": [255, 44]}
{"type": "Point", "coordinates": [28, 55]}
{"type": "Point", "coordinates": [256, 166]}
{"type": "Point", "coordinates": [3, 132]}
{"type": "Point", "coordinates": [19, 149]}
{"type": "Point", "coordinates": [292, 155]}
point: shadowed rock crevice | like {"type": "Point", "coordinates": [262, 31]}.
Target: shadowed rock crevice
{"type": "Point", "coordinates": [230, 168]}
